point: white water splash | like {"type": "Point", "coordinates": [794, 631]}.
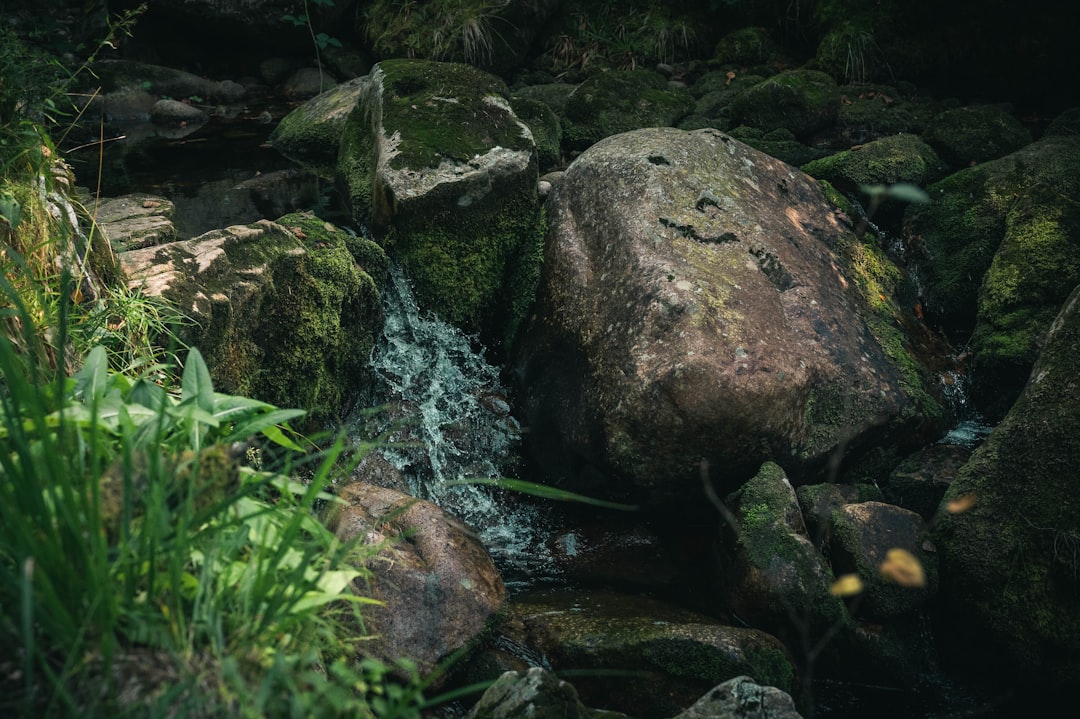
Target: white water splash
{"type": "Point", "coordinates": [450, 405]}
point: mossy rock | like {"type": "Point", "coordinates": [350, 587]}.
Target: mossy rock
{"type": "Point", "coordinates": [676, 655]}
{"type": "Point", "coordinates": [850, 54]}
{"type": "Point", "coordinates": [746, 46]}
{"type": "Point", "coordinates": [436, 163]}
{"type": "Point", "coordinates": [553, 94]}
{"type": "Point", "coordinates": [999, 256]}
{"type": "Point", "coordinates": [802, 101]}
{"type": "Point", "coordinates": [777, 565]}
{"type": "Point", "coordinates": [546, 130]}
{"type": "Point", "coordinates": [868, 112]}
{"type": "Point", "coordinates": [897, 158]}
{"type": "Point", "coordinates": [282, 311]}
{"type": "Point", "coordinates": [619, 101]}
{"type": "Point", "coordinates": [311, 134]}
{"type": "Point", "coordinates": [1009, 563]}
{"type": "Point", "coordinates": [779, 143]}
{"type": "Point", "coordinates": [975, 133]}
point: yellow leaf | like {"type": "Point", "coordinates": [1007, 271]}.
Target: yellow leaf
{"type": "Point", "coordinates": [962, 503]}
{"type": "Point", "coordinates": [846, 585]}
{"type": "Point", "coordinates": [902, 567]}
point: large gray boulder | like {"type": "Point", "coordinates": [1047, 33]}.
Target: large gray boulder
{"type": "Point", "coordinates": [437, 584]}
{"type": "Point", "coordinates": [435, 162]}
{"type": "Point", "coordinates": [701, 300]}
{"type": "Point", "coordinates": [1010, 573]}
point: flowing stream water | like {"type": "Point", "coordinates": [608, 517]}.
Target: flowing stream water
{"type": "Point", "coordinates": [447, 404]}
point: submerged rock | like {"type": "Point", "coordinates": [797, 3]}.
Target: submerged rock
{"type": "Point", "coordinates": [672, 656]}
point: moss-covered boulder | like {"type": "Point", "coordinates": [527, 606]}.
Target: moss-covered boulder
{"type": "Point", "coordinates": [780, 143]}
{"type": "Point", "coordinates": [620, 100]}
{"type": "Point", "coordinates": [745, 46]}
{"type": "Point", "coordinates": [897, 158]}
{"type": "Point", "coordinates": [435, 162]}
{"type": "Point", "coordinates": [700, 299]}
{"type": "Point", "coordinates": [975, 133]}
{"type": "Point", "coordinates": [675, 655]}
{"type": "Point", "coordinates": [775, 576]}
{"type": "Point", "coordinates": [311, 134]}
{"type": "Point", "coordinates": [546, 130]}
{"type": "Point", "coordinates": [802, 101]}
{"type": "Point", "coordinates": [282, 310]}
{"type": "Point", "coordinates": [868, 112]}
{"type": "Point", "coordinates": [1010, 569]}
{"type": "Point", "coordinates": [1000, 251]}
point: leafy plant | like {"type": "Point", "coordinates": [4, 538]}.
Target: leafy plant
{"type": "Point", "coordinates": [320, 40]}
{"type": "Point", "coordinates": [626, 34]}
{"type": "Point", "coordinates": [145, 567]}
{"type": "Point", "coordinates": [453, 30]}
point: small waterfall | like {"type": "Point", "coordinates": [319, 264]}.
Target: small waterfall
{"type": "Point", "coordinates": [449, 418]}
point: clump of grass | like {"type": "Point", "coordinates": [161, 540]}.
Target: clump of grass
{"type": "Point", "coordinates": [452, 30]}
{"type": "Point", "coordinates": [145, 567]}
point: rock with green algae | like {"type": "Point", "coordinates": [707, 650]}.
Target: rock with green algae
{"type": "Point", "coordinates": [311, 134]}
{"type": "Point", "coordinates": [802, 101]}
{"type": "Point", "coordinates": [281, 311]}
{"type": "Point", "coordinates": [868, 112]}
{"type": "Point", "coordinates": [676, 655]}
{"type": "Point", "coordinates": [772, 565]}
{"type": "Point", "coordinates": [545, 127]}
{"type": "Point", "coordinates": [1009, 566]}
{"type": "Point", "coordinates": [975, 133]}
{"type": "Point", "coordinates": [434, 161]}
{"type": "Point", "coordinates": [998, 252]}
{"type": "Point", "coordinates": [897, 158]}
{"type": "Point", "coordinates": [779, 143]}
{"type": "Point", "coordinates": [745, 46]}
{"type": "Point", "coordinates": [620, 100]}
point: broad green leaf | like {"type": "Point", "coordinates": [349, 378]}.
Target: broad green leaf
{"type": "Point", "coordinates": [195, 383]}
{"type": "Point", "coordinates": [275, 435]}
{"type": "Point", "coordinates": [902, 191]}
{"type": "Point", "coordinates": [92, 379]}
{"type": "Point", "coordinates": [260, 422]}
{"type": "Point", "coordinates": [149, 395]}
